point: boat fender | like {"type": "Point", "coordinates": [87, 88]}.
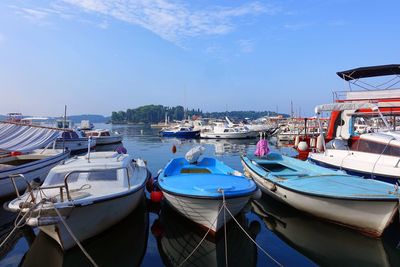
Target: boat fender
{"type": "Point", "coordinates": [302, 146]}
{"type": "Point", "coordinates": [320, 145]}
{"type": "Point", "coordinates": [121, 150]}
{"type": "Point", "coordinates": [157, 228]}
{"type": "Point", "coordinates": [313, 142]}
{"type": "Point", "coordinates": [257, 194]}
{"type": "Point", "coordinates": [296, 141]}
{"type": "Point", "coordinates": [156, 196]}
{"type": "Point", "coordinates": [16, 153]}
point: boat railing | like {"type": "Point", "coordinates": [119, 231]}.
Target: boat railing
{"type": "Point", "coordinates": [13, 178]}
{"type": "Point", "coordinates": [61, 187]}
{"type": "Point", "coordinates": [86, 171]}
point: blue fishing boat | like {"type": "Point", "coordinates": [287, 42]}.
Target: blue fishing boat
{"type": "Point", "coordinates": [196, 190]}
{"type": "Point", "coordinates": [363, 204]}
{"type": "Point", "coordinates": [180, 132]}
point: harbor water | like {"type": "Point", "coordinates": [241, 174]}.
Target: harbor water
{"type": "Point", "coordinates": [155, 235]}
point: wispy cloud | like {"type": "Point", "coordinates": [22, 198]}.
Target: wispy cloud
{"type": "Point", "coordinates": [246, 46]}
{"type": "Point", "coordinates": [297, 26]}
{"type": "Point", "coordinates": [173, 20]}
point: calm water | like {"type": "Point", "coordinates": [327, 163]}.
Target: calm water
{"type": "Point", "coordinates": [155, 235]}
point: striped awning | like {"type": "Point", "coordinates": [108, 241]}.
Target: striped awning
{"type": "Point", "coordinates": [25, 138]}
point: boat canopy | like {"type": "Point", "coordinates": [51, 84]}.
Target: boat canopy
{"type": "Point", "coordinates": [345, 106]}
{"type": "Point", "coordinates": [372, 71]}
{"type": "Point", "coordinates": [23, 138]}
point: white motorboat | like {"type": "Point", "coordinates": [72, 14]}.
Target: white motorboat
{"type": "Point", "coordinates": [223, 131]}
{"type": "Point", "coordinates": [90, 192]}
{"type": "Point", "coordinates": [74, 141]}
{"type": "Point", "coordinates": [371, 155]}
{"type": "Point", "coordinates": [32, 165]}
{"type": "Point", "coordinates": [104, 136]}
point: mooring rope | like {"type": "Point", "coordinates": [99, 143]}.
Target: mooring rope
{"type": "Point", "coordinates": [265, 252]}
{"type": "Point", "coordinates": [204, 237]}
{"type": "Point", "coordinates": [74, 237]}
{"type": "Point", "coordinates": [225, 207]}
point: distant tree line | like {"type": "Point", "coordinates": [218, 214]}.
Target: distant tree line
{"type": "Point", "coordinates": [156, 113]}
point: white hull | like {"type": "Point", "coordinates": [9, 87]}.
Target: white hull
{"type": "Point", "coordinates": [239, 135]}
{"type": "Point", "coordinates": [369, 163]}
{"type": "Point", "coordinates": [370, 217]}
{"type": "Point", "coordinates": [75, 145]}
{"type": "Point", "coordinates": [90, 220]}
{"type": "Point", "coordinates": [105, 140]}
{"type": "Point", "coordinates": [38, 169]}
{"type": "Point", "coordinates": [204, 211]}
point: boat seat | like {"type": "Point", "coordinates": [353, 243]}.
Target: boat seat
{"type": "Point", "coordinates": [278, 174]}
{"type": "Point", "coordinates": [195, 170]}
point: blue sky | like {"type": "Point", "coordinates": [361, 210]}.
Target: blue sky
{"type": "Point", "coordinates": [97, 56]}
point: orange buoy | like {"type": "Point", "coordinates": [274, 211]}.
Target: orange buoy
{"type": "Point", "coordinates": [174, 149]}
{"type": "Point", "coordinates": [156, 196]}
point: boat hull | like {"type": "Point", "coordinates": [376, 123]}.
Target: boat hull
{"type": "Point", "coordinates": [362, 174]}
{"type": "Point", "coordinates": [90, 220]}
{"type": "Point", "coordinates": [246, 135]}
{"type": "Point", "coordinates": [204, 211]}
{"type": "Point", "coordinates": [37, 169]}
{"type": "Point", "coordinates": [75, 145]}
{"type": "Point", "coordinates": [370, 217]}
{"type": "Point", "coordinates": [187, 135]}
{"type": "Point", "coordinates": [106, 140]}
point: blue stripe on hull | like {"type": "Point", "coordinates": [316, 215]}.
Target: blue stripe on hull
{"type": "Point", "coordinates": [387, 179]}
{"type": "Point", "coordinates": [181, 134]}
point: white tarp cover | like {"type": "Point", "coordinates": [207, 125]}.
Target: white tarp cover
{"type": "Point", "coordinates": [345, 106]}
{"type": "Point", "coordinates": [23, 138]}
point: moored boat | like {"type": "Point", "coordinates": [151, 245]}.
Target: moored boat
{"type": "Point", "coordinates": [88, 193]}
{"type": "Point", "coordinates": [196, 190]}
{"type": "Point", "coordinates": [362, 204]}
{"type": "Point", "coordinates": [180, 132]}
{"type": "Point", "coordinates": [104, 136]}
{"type": "Point", "coordinates": [21, 155]}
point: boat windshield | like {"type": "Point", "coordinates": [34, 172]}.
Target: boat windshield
{"type": "Point", "coordinates": [57, 178]}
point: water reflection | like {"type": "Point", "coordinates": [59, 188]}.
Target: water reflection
{"type": "Point", "coordinates": [229, 146]}
{"type": "Point", "coordinates": [177, 237]}
{"type": "Point", "coordinates": [124, 244]}
{"type": "Point", "coordinates": [324, 243]}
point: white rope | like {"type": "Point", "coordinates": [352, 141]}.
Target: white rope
{"type": "Point", "coordinates": [204, 237]}
{"type": "Point", "coordinates": [74, 237]}
{"type": "Point", "coordinates": [225, 236]}
{"type": "Point", "coordinates": [13, 230]}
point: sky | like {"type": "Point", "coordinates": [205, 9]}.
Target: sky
{"type": "Point", "coordinates": [99, 56]}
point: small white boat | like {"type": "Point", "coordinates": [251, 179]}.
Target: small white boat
{"type": "Point", "coordinates": [91, 193]}
{"type": "Point", "coordinates": [21, 154]}
{"type": "Point", "coordinates": [32, 165]}
{"type": "Point", "coordinates": [74, 141]}
{"type": "Point", "coordinates": [104, 136]}
{"type": "Point", "coordinates": [196, 190]}
{"type": "Point", "coordinates": [223, 131]}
